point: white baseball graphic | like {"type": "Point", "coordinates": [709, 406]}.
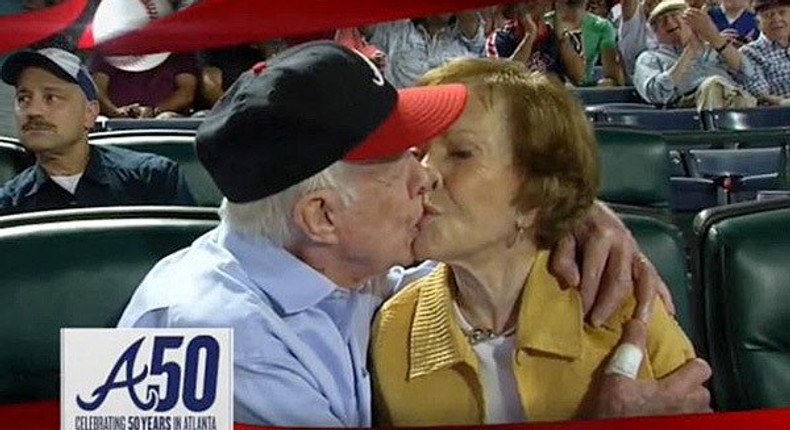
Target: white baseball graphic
{"type": "Point", "coordinates": [116, 17]}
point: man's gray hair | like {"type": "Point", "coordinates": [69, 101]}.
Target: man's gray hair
{"type": "Point", "coordinates": [272, 217]}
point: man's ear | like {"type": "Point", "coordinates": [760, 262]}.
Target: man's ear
{"type": "Point", "coordinates": [315, 215]}
{"type": "Point", "coordinates": [91, 112]}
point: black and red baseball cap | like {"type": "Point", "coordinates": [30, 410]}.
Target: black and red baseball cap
{"type": "Point", "coordinates": [308, 107]}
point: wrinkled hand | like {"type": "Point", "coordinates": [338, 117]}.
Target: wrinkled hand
{"type": "Point", "coordinates": [128, 111]}
{"type": "Point", "coordinates": [613, 395]}
{"type": "Point", "coordinates": [694, 44]}
{"type": "Point", "coordinates": [147, 112]}
{"type": "Point", "coordinates": [612, 267]}
{"type": "Point", "coordinates": [702, 25]}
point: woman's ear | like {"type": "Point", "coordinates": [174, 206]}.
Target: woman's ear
{"type": "Point", "coordinates": [526, 221]}
{"type": "Point", "coordinates": [315, 215]}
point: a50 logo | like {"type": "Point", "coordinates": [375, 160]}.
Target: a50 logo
{"type": "Point", "coordinates": [178, 386]}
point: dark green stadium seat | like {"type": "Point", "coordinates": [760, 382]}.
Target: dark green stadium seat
{"type": "Point", "coordinates": [178, 145]}
{"type": "Point", "coordinates": [742, 295]}
{"type": "Point", "coordinates": [751, 118]}
{"type": "Point", "coordinates": [75, 268]}
{"type": "Point", "coordinates": [662, 243]}
{"type": "Point", "coordinates": [656, 119]}
{"type": "Point", "coordinates": [600, 95]}
{"type": "Point", "coordinates": [13, 159]}
{"type": "Point", "coordinates": [111, 124]}
{"type": "Point", "coordinates": [635, 167]}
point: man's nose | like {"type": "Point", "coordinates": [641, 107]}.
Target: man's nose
{"type": "Point", "coordinates": [431, 179]}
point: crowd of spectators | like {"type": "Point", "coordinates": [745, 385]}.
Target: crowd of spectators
{"type": "Point", "coordinates": [676, 53]}
{"type": "Point", "coordinates": [582, 42]}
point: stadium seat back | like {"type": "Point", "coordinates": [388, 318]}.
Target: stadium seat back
{"type": "Point", "coordinates": [754, 161]}
{"type": "Point", "coordinates": [13, 159]}
{"type": "Point", "coordinates": [634, 166]}
{"type": "Point", "coordinates": [663, 245]}
{"type": "Point", "coordinates": [743, 299]}
{"type": "Point", "coordinates": [179, 146]}
{"type": "Point", "coordinates": [752, 118]}
{"type": "Point", "coordinates": [75, 268]}
{"type": "Point", "coordinates": [656, 119]}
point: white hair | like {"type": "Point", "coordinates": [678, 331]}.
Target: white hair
{"type": "Point", "coordinates": [271, 216]}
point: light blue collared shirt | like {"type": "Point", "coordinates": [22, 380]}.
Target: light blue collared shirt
{"type": "Point", "coordinates": [411, 51]}
{"type": "Point", "coordinates": [652, 80]}
{"type": "Point", "coordinates": [300, 341]}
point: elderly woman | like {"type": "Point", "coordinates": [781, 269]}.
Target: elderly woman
{"type": "Point", "coordinates": [489, 337]}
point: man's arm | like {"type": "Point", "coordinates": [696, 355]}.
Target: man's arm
{"type": "Point", "coordinates": [275, 389]}
{"type": "Point", "coordinates": [653, 82]}
{"type": "Point", "coordinates": [628, 9]}
{"type": "Point", "coordinates": [571, 57]}
{"type": "Point", "coordinates": [524, 49]}
{"type": "Point", "coordinates": [682, 391]}
{"type": "Point", "coordinates": [107, 106]}
{"type": "Point", "coordinates": [706, 30]}
{"type": "Point", "coordinates": [177, 184]}
{"type": "Point", "coordinates": [211, 83]}
{"type": "Point", "coordinates": [180, 100]}
{"type": "Point", "coordinates": [680, 70]}
{"type": "Point", "coordinates": [609, 55]}
{"type": "Point", "coordinates": [612, 267]}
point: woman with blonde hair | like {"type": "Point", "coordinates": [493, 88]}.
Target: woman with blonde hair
{"type": "Point", "coordinates": [489, 337]}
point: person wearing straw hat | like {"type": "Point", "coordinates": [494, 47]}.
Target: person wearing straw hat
{"type": "Point", "coordinates": [693, 65]}
{"type": "Point", "coordinates": [56, 106]}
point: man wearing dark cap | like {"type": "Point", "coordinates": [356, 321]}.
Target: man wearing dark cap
{"type": "Point", "coordinates": [322, 197]}
{"type": "Point", "coordinates": [770, 53]}
{"type": "Point", "coordinates": [55, 108]}
{"type": "Point", "coordinates": [693, 65]}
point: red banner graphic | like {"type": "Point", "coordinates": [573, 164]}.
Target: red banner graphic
{"type": "Point", "coordinates": [215, 23]}
{"type": "Point", "coordinates": [19, 30]}
{"type": "Point", "coordinates": [46, 416]}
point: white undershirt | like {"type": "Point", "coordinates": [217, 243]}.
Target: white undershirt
{"type": "Point", "coordinates": [68, 182]}
{"type": "Point", "coordinates": [497, 378]}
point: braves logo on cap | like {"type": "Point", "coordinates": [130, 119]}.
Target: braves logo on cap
{"type": "Point", "coordinates": [378, 79]}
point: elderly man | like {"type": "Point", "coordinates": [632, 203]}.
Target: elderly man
{"type": "Point", "coordinates": [56, 106]}
{"type": "Point", "coordinates": [322, 197]}
{"type": "Point", "coordinates": [693, 64]}
{"type": "Point", "coordinates": [770, 53]}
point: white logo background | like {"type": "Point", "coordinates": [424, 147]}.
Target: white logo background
{"type": "Point", "coordinates": [89, 355]}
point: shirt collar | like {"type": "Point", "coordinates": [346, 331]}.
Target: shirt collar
{"type": "Point", "coordinates": [289, 282]}
{"type": "Point", "coordinates": [765, 41]}
{"type": "Point", "coordinates": [94, 170]}
{"type": "Point", "coordinates": [40, 178]}
{"type": "Point", "coordinates": [437, 342]}
{"type": "Point", "coordinates": [675, 49]}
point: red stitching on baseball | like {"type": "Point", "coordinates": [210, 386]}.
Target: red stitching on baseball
{"type": "Point", "coordinates": [150, 9]}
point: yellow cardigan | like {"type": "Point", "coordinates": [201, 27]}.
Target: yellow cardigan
{"type": "Point", "coordinates": [426, 373]}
